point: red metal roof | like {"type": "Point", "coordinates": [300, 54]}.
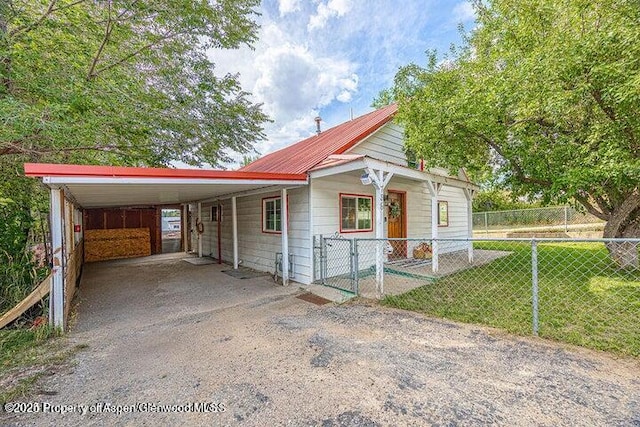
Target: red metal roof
{"type": "Point", "coordinates": [304, 155]}
{"type": "Point", "coordinates": [48, 169]}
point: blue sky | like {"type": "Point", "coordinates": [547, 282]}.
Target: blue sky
{"type": "Point", "coordinates": [331, 57]}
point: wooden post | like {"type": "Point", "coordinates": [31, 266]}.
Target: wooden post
{"type": "Point", "coordinates": [199, 223]}
{"type": "Point", "coordinates": [56, 299]}
{"type": "Point", "coordinates": [219, 233]}
{"type": "Point", "coordinates": [285, 236]}
{"type": "Point", "coordinates": [185, 227]}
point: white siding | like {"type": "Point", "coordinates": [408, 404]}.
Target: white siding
{"type": "Point", "coordinates": [457, 202]}
{"type": "Point", "coordinates": [256, 249]}
{"type": "Point", "coordinates": [326, 217]}
{"type": "Point", "coordinates": [387, 144]}
{"type": "Point", "coordinates": [326, 201]}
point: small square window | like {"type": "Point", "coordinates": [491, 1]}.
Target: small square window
{"type": "Point", "coordinates": [443, 214]}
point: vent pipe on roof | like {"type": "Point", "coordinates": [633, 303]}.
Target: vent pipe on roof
{"type": "Point", "coordinates": [318, 120]}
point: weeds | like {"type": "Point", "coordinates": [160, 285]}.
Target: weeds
{"type": "Point", "coordinates": [28, 354]}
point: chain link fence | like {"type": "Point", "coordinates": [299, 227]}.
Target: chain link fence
{"type": "Point", "coordinates": [584, 292]}
{"type": "Point", "coordinates": [551, 219]}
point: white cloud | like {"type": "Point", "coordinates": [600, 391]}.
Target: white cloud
{"type": "Point", "coordinates": [291, 80]}
{"type": "Point", "coordinates": [463, 12]}
{"type": "Point", "coordinates": [288, 6]}
{"type": "Point", "coordinates": [330, 57]}
{"type": "Point", "coordinates": [325, 11]}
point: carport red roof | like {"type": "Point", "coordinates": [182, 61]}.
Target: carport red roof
{"type": "Point", "coordinates": [304, 155]}
{"type": "Point", "coordinates": [64, 170]}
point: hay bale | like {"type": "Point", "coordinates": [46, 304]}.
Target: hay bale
{"type": "Point", "coordinates": [102, 245]}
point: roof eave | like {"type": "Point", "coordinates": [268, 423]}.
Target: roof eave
{"type": "Point", "coordinates": [49, 170]}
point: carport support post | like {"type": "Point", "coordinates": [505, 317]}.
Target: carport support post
{"type": "Point", "coordinates": [284, 208]}
{"type": "Point", "coordinates": [199, 234]}
{"type": "Point", "coordinates": [56, 299]}
{"type": "Point", "coordinates": [234, 231]}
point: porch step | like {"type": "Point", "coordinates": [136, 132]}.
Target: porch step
{"type": "Point", "coordinates": [332, 294]}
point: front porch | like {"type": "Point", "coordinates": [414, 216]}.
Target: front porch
{"type": "Point", "coordinates": [406, 203]}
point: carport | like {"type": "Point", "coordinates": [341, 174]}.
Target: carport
{"type": "Point", "coordinates": [74, 188]}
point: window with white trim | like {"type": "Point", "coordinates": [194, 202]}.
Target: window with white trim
{"type": "Point", "coordinates": [356, 213]}
{"type": "Point", "coordinates": [271, 214]}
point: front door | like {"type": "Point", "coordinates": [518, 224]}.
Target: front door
{"type": "Point", "coordinates": [397, 223]}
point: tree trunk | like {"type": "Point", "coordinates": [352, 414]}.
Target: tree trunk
{"type": "Point", "coordinates": [624, 222]}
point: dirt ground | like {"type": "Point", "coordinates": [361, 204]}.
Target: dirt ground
{"type": "Point", "coordinates": [179, 334]}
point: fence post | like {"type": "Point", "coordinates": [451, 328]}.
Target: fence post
{"type": "Point", "coordinates": [534, 284]}
{"type": "Point", "coordinates": [351, 276]}
{"type": "Point", "coordinates": [486, 224]}
{"type": "Point", "coordinates": [356, 265]}
{"type": "Point", "coordinates": [323, 260]}
{"type": "Point", "coordinates": [566, 219]}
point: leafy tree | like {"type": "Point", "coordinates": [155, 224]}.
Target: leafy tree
{"type": "Point", "coordinates": [123, 81]}
{"type": "Point", "coordinates": [113, 81]}
{"type": "Point", "coordinates": [544, 95]}
{"type": "Point", "coordinates": [495, 199]}
{"type": "Point", "coordinates": [247, 159]}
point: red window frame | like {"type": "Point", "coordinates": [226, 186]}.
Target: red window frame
{"type": "Point", "coordinates": [373, 213]}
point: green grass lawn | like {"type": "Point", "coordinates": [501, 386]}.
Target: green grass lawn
{"type": "Point", "coordinates": [583, 298]}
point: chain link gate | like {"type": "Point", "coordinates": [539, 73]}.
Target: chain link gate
{"type": "Point", "coordinates": [336, 260]}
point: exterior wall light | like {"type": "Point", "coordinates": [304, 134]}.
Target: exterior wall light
{"type": "Point", "coordinates": [365, 179]}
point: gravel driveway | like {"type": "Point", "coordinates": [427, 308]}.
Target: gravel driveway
{"type": "Point", "coordinates": [179, 334]}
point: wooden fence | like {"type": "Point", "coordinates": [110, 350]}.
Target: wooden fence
{"type": "Point", "coordinates": [72, 274]}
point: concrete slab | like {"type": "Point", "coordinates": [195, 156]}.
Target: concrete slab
{"type": "Point", "coordinates": [336, 295]}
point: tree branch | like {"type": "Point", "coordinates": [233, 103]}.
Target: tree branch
{"type": "Point", "coordinates": [50, 9]}
{"type": "Point", "coordinates": [29, 27]}
{"type": "Point", "coordinates": [603, 205]}
{"type": "Point", "coordinates": [16, 149]}
{"type": "Point", "coordinates": [107, 35]}
{"type": "Point", "coordinates": [517, 169]}
{"type": "Point", "coordinates": [134, 53]}
{"type": "Point", "coordinates": [584, 201]}
{"type": "Point", "coordinates": [611, 114]}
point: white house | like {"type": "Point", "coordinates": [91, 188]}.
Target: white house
{"type": "Point", "coordinates": [352, 180]}
{"type": "Point", "coordinates": [396, 204]}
